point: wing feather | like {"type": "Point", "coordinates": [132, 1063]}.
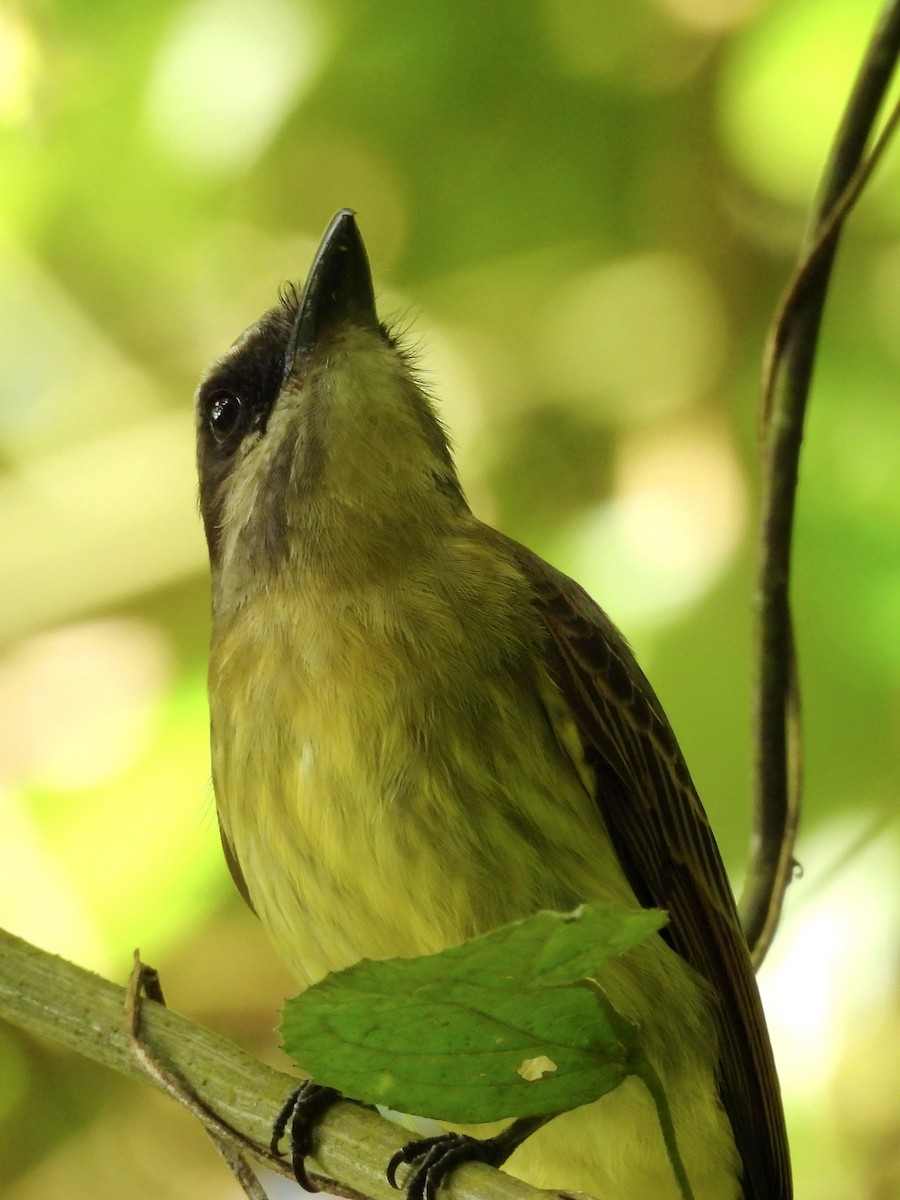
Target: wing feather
{"type": "Point", "coordinates": [659, 828]}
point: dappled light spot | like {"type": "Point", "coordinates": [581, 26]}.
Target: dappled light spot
{"type": "Point", "coordinates": [675, 520]}
{"type": "Point", "coordinates": [19, 68]}
{"type": "Point", "coordinates": [783, 86]}
{"type": "Point", "coordinates": [636, 338]}
{"type": "Point", "coordinates": [77, 705]}
{"type": "Point", "coordinates": [712, 16]}
{"type": "Point", "coordinates": [226, 76]}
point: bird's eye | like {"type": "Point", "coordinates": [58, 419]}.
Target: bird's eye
{"type": "Point", "coordinates": [224, 414]}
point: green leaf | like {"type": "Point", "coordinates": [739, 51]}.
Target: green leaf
{"type": "Point", "coordinates": [501, 1026]}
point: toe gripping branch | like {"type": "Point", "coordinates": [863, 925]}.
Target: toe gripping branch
{"type": "Point", "coordinates": [433, 1159]}
{"type": "Point", "coordinates": [301, 1111]}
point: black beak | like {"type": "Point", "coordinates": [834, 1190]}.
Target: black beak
{"type": "Point", "coordinates": [338, 290]}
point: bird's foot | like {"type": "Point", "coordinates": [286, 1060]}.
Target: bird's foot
{"type": "Point", "coordinates": [434, 1158]}
{"type": "Point", "coordinates": [298, 1118]}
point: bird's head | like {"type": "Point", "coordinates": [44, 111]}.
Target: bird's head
{"type": "Point", "coordinates": [317, 448]}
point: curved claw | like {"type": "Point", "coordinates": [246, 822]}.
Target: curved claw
{"type": "Point", "coordinates": [409, 1153]}
{"type": "Point", "coordinates": [435, 1158]}
{"type": "Point", "coordinates": [299, 1113]}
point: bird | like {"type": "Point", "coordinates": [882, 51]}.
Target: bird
{"type": "Point", "coordinates": [421, 731]}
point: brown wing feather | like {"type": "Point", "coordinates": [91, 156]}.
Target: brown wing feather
{"type": "Point", "coordinates": [234, 868]}
{"type": "Point", "coordinates": [657, 823]}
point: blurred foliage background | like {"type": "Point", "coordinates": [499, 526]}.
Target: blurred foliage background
{"type": "Point", "coordinates": [583, 211]}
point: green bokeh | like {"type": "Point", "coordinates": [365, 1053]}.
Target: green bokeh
{"type": "Point", "coordinates": [507, 161]}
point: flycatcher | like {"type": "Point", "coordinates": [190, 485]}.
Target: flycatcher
{"type": "Point", "coordinates": [421, 731]}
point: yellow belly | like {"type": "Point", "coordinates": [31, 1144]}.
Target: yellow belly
{"type": "Point", "coordinates": [377, 816]}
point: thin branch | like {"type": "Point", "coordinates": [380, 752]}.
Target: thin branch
{"type": "Point", "coordinates": [822, 243]}
{"type": "Point", "coordinates": [81, 1012]}
{"type": "Point", "coordinates": [230, 1145]}
{"type": "Point", "coordinates": [789, 368]}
